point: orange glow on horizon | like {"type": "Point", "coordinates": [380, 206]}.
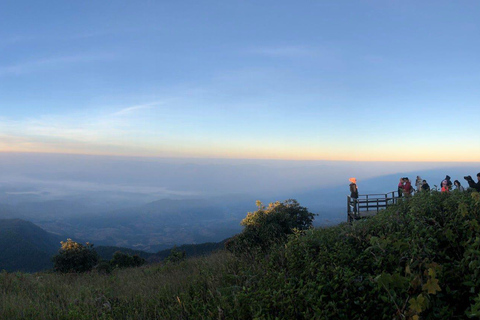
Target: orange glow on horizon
{"type": "Point", "coordinates": [255, 155]}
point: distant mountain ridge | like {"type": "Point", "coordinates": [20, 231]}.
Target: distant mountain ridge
{"type": "Point", "coordinates": [25, 246]}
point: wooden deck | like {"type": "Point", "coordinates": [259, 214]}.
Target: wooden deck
{"type": "Point", "coordinates": [367, 205]}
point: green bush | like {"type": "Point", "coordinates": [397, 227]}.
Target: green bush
{"type": "Point", "coordinates": [176, 255]}
{"type": "Point", "coordinates": [417, 260]}
{"type": "Point", "coordinates": [75, 257]}
{"type": "Point", "coordinates": [104, 267]}
{"type": "Point", "coordinates": [271, 225]}
{"type": "Point", "coordinates": [123, 260]}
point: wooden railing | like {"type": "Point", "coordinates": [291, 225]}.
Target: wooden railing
{"type": "Point", "coordinates": [369, 204]}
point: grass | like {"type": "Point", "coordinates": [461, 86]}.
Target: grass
{"type": "Point", "coordinates": [416, 260]}
{"type": "Point", "coordinates": [171, 291]}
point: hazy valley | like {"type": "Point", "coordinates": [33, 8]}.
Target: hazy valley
{"type": "Point", "coordinates": [154, 204]}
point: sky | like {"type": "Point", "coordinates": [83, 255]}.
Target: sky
{"type": "Point", "coordinates": [293, 80]}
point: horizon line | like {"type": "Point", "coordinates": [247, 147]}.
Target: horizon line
{"type": "Point", "coordinates": [226, 158]}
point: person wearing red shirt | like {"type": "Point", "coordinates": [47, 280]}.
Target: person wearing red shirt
{"type": "Point", "coordinates": [445, 187]}
{"type": "Point", "coordinates": [407, 187]}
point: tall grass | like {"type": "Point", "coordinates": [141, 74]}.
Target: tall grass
{"type": "Point", "coordinates": [417, 260]}
{"type": "Point", "coordinates": [191, 289]}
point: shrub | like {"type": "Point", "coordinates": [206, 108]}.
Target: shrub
{"type": "Point", "coordinates": [176, 255]}
{"type": "Point", "coordinates": [123, 260]}
{"type": "Point", "coordinates": [104, 267]}
{"type": "Point", "coordinates": [75, 257]}
{"type": "Point", "coordinates": [271, 225]}
{"type": "Point", "coordinates": [419, 259]}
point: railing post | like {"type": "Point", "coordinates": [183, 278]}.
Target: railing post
{"type": "Point", "coordinates": [378, 202]}
{"type": "Point", "coordinates": [349, 218]}
{"type": "Point", "coordinates": [355, 207]}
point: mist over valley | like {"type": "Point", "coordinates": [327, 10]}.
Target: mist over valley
{"type": "Point", "coordinates": [152, 204]}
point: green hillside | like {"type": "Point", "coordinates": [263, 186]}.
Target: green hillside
{"type": "Point", "coordinates": [25, 246]}
{"type": "Point", "coordinates": [106, 252]}
{"type": "Point", "coordinates": [416, 260]}
{"type": "Point", "coordinates": [191, 250]}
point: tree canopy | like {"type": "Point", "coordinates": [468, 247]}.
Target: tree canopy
{"type": "Point", "coordinates": [75, 257]}
{"type": "Point", "coordinates": [271, 224]}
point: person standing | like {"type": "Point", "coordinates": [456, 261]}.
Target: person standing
{"type": "Point", "coordinates": [448, 182]}
{"type": "Point", "coordinates": [407, 187]}
{"type": "Point", "coordinates": [353, 188]}
{"type": "Point", "coordinates": [472, 184]}
{"type": "Point", "coordinates": [354, 195]}
{"type": "Point", "coordinates": [445, 187]}
{"type": "Point", "coordinates": [418, 183]}
{"type": "Point", "coordinates": [400, 187]}
{"type": "Point", "coordinates": [458, 186]}
{"type": "Point", "coordinates": [425, 186]}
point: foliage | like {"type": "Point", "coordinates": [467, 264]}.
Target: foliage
{"type": "Point", "coordinates": [123, 260]}
{"type": "Point", "coordinates": [192, 289]}
{"type": "Point", "coordinates": [104, 267]}
{"type": "Point", "coordinates": [271, 225]}
{"type": "Point", "coordinates": [120, 260]}
{"type": "Point", "coordinates": [107, 252]}
{"type": "Point", "coordinates": [176, 255]}
{"type": "Point", "coordinates": [191, 250]}
{"type": "Point", "coordinates": [419, 259]}
{"type": "Point", "coordinates": [75, 257]}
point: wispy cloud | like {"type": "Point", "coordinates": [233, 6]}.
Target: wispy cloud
{"type": "Point", "coordinates": [134, 109]}
{"type": "Point", "coordinates": [52, 63]}
{"type": "Point", "coordinates": [81, 131]}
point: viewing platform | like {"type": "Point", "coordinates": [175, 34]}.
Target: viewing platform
{"type": "Point", "coordinates": [367, 205]}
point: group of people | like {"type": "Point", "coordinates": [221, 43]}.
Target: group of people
{"type": "Point", "coordinates": [406, 189]}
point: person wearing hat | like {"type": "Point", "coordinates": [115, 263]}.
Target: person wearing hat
{"type": "Point", "coordinates": [353, 188]}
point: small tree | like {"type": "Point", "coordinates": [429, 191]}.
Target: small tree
{"type": "Point", "coordinates": [176, 255]}
{"type": "Point", "coordinates": [123, 260]}
{"type": "Point", "coordinates": [75, 257]}
{"type": "Point", "coordinates": [272, 224]}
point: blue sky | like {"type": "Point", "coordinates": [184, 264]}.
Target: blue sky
{"type": "Point", "coordinates": [309, 80]}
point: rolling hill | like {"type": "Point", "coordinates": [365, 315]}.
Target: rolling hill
{"type": "Point", "coordinates": [25, 246]}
